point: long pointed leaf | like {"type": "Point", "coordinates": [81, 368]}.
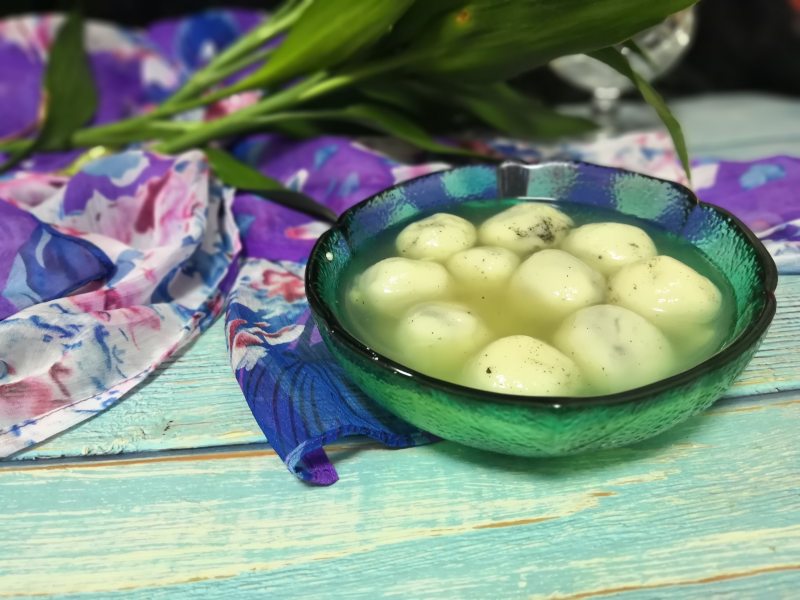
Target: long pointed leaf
{"type": "Point", "coordinates": [504, 108]}
{"type": "Point", "coordinates": [398, 125]}
{"type": "Point", "coordinates": [69, 91]}
{"type": "Point", "coordinates": [636, 49]}
{"type": "Point", "coordinates": [397, 94]}
{"type": "Point", "coordinates": [493, 40]}
{"type": "Point", "coordinates": [499, 106]}
{"type": "Point", "coordinates": [372, 116]}
{"type": "Point", "coordinates": [247, 179]}
{"type": "Point", "coordinates": [328, 33]}
{"type": "Point", "coordinates": [69, 85]}
{"type": "Point", "coordinates": [615, 59]}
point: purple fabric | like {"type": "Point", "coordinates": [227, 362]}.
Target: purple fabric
{"type": "Point", "coordinates": [189, 43]}
{"type": "Point", "coordinates": [20, 80]}
{"type": "Point", "coordinates": [114, 177]}
{"type": "Point", "coordinates": [329, 169]}
{"type": "Point", "coordinates": [38, 263]}
{"type": "Point", "coordinates": [298, 394]}
{"type": "Point", "coordinates": [763, 193]}
{"type": "Point", "coordinates": [68, 355]}
{"type": "Point", "coordinates": [120, 84]}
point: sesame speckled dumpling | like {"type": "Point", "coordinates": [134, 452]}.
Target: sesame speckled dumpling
{"type": "Point", "coordinates": [525, 228]}
{"type": "Point", "coordinates": [552, 283]}
{"type": "Point", "coordinates": [667, 292]}
{"type": "Point", "coordinates": [483, 267]}
{"type": "Point", "coordinates": [607, 247]}
{"type": "Point", "coordinates": [522, 365]}
{"type": "Point", "coordinates": [436, 237]}
{"type": "Point", "coordinates": [391, 286]}
{"type": "Point", "coordinates": [615, 348]}
{"type": "Point", "coordinates": [439, 336]}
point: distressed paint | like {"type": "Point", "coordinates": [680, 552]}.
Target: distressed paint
{"type": "Point", "coordinates": [712, 503]}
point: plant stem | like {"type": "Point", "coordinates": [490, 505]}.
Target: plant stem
{"type": "Point", "coordinates": [232, 122]}
{"type": "Point", "coordinates": [313, 87]}
{"type": "Point", "coordinates": [239, 51]}
{"type": "Point", "coordinates": [235, 57]}
{"type": "Point", "coordinates": [231, 69]}
{"type": "Point", "coordinates": [149, 130]}
{"type": "Point", "coordinates": [188, 134]}
{"type": "Point", "coordinates": [13, 146]}
{"type": "Point", "coordinates": [359, 74]}
{"type": "Point", "coordinates": [282, 20]}
{"type": "Point", "coordinates": [132, 124]}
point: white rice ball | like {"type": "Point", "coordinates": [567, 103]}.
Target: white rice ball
{"type": "Point", "coordinates": [486, 268]}
{"type": "Point", "coordinates": [668, 293]}
{"type": "Point", "coordinates": [552, 283]}
{"type": "Point", "coordinates": [615, 348]}
{"type": "Point", "coordinates": [696, 343]}
{"type": "Point", "coordinates": [525, 228]}
{"type": "Point", "coordinates": [523, 365]}
{"type": "Point", "coordinates": [436, 237]}
{"type": "Point", "coordinates": [607, 247]}
{"type": "Point", "coordinates": [439, 336]}
{"type": "Point", "coordinates": [391, 286]}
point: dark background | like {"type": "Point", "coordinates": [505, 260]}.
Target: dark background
{"type": "Point", "coordinates": [740, 44]}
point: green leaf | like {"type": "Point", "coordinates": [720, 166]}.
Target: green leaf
{"type": "Point", "coordinates": [69, 91]}
{"type": "Point", "coordinates": [328, 33]}
{"type": "Point", "coordinates": [21, 152]}
{"type": "Point", "coordinates": [389, 121]}
{"type": "Point", "coordinates": [417, 18]}
{"type": "Point", "coordinates": [379, 118]}
{"type": "Point", "coordinates": [396, 124]}
{"type": "Point", "coordinates": [614, 59]}
{"type": "Point", "coordinates": [632, 46]}
{"type": "Point", "coordinates": [397, 94]}
{"type": "Point", "coordinates": [493, 40]}
{"type": "Point", "coordinates": [424, 104]}
{"type": "Point", "coordinates": [499, 106]}
{"type": "Point", "coordinates": [508, 110]}
{"type": "Point", "coordinates": [69, 86]}
{"type": "Point", "coordinates": [245, 178]}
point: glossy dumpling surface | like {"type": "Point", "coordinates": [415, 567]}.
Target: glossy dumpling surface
{"type": "Point", "coordinates": [670, 294]}
{"type": "Point", "coordinates": [436, 336]}
{"type": "Point", "coordinates": [607, 247]}
{"type": "Point", "coordinates": [525, 228]}
{"type": "Point", "coordinates": [391, 286]}
{"type": "Point", "coordinates": [523, 365]}
{"type": "Point", "coordinates": [615, 348]}
{"type": "Point", "coordinates": [552, 283]}
{"type": "Point", "coordinates": [436, 237]}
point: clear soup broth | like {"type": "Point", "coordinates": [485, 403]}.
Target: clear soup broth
{"type": "Point", "coordinates": [553, 326]}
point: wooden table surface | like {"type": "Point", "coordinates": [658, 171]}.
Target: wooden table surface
{"type": "Point", "coordinates": [175, 494]}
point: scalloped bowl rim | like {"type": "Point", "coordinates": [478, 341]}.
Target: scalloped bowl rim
{"type": "Point", "coordinates": [326, 317]}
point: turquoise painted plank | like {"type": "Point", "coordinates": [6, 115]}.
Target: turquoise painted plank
{"type": "Point", "coordinates": [742, 585]}
{"type": "Point", "coordinates": [714, 497]}
{"type": "Point", "coordinates": [194, 402]}
{"type": "Point", "coordinates": [765, 125]}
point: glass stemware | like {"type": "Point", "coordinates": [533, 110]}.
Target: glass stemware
{"type": "Point", "coordinates": [664, 45]}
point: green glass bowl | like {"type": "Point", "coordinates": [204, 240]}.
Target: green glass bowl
{"type": "Point", "coordinates": [536, 425]}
